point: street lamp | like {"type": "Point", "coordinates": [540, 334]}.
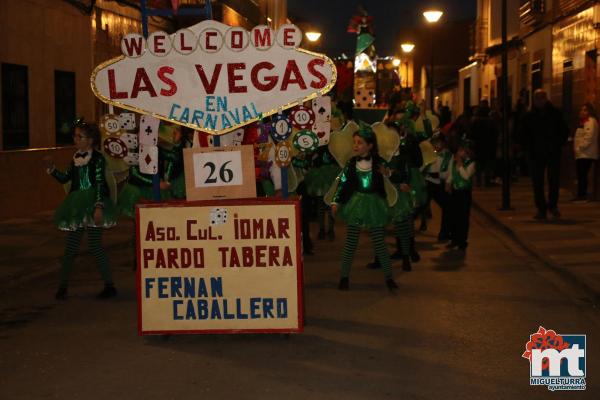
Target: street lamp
{"type": "Point", "coordinates": [313, 36]}
{"type": "Point", "coordinates": [407, 48]}
{"type": "Point", "coordinates": [396, 62]}
{"type": "Point", "coordinates": [432, 17]}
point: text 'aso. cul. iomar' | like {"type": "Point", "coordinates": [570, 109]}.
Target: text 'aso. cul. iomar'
{"type": "Point", "coordinates": [213, 77]}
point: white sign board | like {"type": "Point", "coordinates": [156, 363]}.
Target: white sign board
{"type": "Point", "coordinates": [213, 77]}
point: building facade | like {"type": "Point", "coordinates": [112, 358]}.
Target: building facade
{"type": "Point", "coordinates": [552, 45]}
{"type": "Point", "coordinates": [49, 51]}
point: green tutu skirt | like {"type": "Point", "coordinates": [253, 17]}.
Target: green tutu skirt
{"type": "Point", "coordinates": [404, 206]}
{"type": "Point", "coordinates": [319, 180]}
{"type": "Point", "coordinates": [418, 187]}
{"type": "Point", "coordinates": [130, 196]}
{"type": "Point", "coordinates": [77, 211]}
{"type": "Point", "coordinates": [367, 210]}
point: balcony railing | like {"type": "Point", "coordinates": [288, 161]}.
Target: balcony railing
{"type": "Point", "coordinates": [532, 12]}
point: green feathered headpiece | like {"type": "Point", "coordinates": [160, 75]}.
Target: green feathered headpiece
{"type": "Point", "coordinates": [365, 131]}
{"type": "Point", "coordinates": [410, 109]}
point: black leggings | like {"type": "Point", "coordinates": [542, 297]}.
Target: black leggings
{"type": "Point", "coordinates": [583, 167]}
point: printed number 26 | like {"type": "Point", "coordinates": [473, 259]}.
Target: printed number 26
{"type": "Point", "coordinates": [225, 174]}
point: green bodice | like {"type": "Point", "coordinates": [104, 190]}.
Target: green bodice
{"type": "Point", "coordinates": [86, 176]}
{"type": "Point", "coordinates": [458, 182]}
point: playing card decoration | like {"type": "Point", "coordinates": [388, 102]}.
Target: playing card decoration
{"type": "Point", "coordinates": [235, 138]}
{"type": "Point", "coordinates": [127, 121]}
{"type": "Point", "coordinates": [218, 216]}
{"type": "Point", "coordinates": [322, 127]}
{"type": "Point", "coordinates": [281, 129]}
{"type": "Point", "coordinates": [115, 147]}
{"type": "Point", "coordinates": [149, 130]}
{"type": "Point", "coordinates": [148, 159]}
{"type": "Point", "coordinates": [321, 106]}
{"type": "Point", "coordinates": [302, 117]}
{"type": "Point", "coordinates": [110, 125]}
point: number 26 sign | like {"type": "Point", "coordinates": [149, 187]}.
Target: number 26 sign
{"type": "Point", "coordinates": [219, 173]}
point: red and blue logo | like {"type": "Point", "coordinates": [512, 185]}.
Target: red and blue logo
{"type": "Point", "coordinates": [556, 360]}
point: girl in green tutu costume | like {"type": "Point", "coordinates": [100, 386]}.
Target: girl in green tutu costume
{"type": "Point", "coordinates": [87, 207]}
{"type": "Point", "coordinates": [360, 201]}
{"type": "Point", "coordinates": [410, 151]}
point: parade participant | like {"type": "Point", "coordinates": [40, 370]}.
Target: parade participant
{"type": "Point", "coordinates": [459, 185]}
{"type": "Point", "coordinates": [174, 172]}
{"type": "Point", "coordinates": [360, 201]}
{"type": "Point", "coordinates": [405, 123]}
{"type": "Point", "coordinates": [402, 212]}
{"type": "Point", "coordinates": [87, 207]}
{"type": "Point", "coordinates": [436, 174]}
{"type": "Point", "coordinates": [321, 174]}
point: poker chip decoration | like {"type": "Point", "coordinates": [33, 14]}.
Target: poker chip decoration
{"type": "Point", "coordinates": [110, 125]}
{"type": "Point", "coordinates": [283, 154]}
{"type": "Point", "coordinates": [306, 141]}
{"type": "Point", "coordinates": [302, 117]}
{"type": "Point", "coordinates": [115, 147]}
{"type": "Point", "coordinates": [281, 128]}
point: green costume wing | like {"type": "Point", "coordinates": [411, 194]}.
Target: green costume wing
{"type": "Point", "coordinates": [340, 143]}
{"type": "Point", "coordinates": [387, 140]}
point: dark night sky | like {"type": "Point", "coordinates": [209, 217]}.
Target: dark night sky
{"type": "Point", "coordinates": [332, 17]}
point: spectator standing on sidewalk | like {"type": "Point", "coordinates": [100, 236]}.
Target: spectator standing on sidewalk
{"type": "Point", "coordinates": [543, 132]}
{"type": "Point", "coordinates": [585, 145]}
{"type": "Point", "coordinates": [484, 135]}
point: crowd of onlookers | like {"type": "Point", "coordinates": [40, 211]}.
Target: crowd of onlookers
{"type": "Point", "coordinates": [537, 136]}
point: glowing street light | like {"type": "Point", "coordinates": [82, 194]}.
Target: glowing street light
{"type": "Point", "coordinates": [313, 36]}
{"type": "Point", "coordinates": [407, 47]}
{"type": "Point", "coordinates": [433, 16]}
{"type": "Point", "coordinates": [396, 62]}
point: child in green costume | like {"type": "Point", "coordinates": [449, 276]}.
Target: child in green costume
{"type": "Point", "coordinates": [87, 207]}
{"type": "Point", "coordinates": [360, 201]}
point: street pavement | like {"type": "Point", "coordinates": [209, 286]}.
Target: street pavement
{"type": "Point", "coordinates": [455, 329]}
{"type": "Point", "coordinates": [569, 244]}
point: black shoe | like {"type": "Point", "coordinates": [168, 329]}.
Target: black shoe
{"type": "Point", "coordinates": [406, 266]}
{"type": "Point", "coordinates": [462, 247]}
{"type": "Point", "coordinates": [374, 265]}
{"type": "Point", "coordinates": [344, 284]}
{"type": "Point", "coordinates": [321, 235]}
{"type": "Point", "coordinates": [414, 256]}
{"type": "Point", "coordinates": [108, 292]}
{"type": "Point", "coordinates": [451, 245]}
{"type": "Point", "coordinates": [423, 226]}
{"type": "Point", "coordinates": [443, 237]}
{"type": "Point", "coordinates": [331, 235]}
{"type": "Point", "coordinates": [391, 284]}
{"type": "Point", "coordinates": [61, 294]}
{"type": "Point", "coordinates": [397, 255]}
{"type": "Point", "coordinates": [540, 216]}
{"type": "Point", "coordinates": [555, 213]}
